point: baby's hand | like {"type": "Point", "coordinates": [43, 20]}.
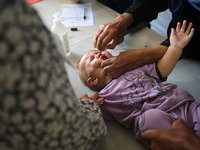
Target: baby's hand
{"type": "Point", "coordinates": [94, 97]}
{"type": "Point", "coordinates": [180, 37]}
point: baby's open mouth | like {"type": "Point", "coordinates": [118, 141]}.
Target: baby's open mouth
{"type": "Point", "coordinates": [103, 56]}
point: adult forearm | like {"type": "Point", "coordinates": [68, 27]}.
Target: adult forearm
{"type": "Point", "coordinates": [152, 54]}
{"type": "Point", "coordinates": [131, 59]}
{"type": "Point", "coordinates": [128, 19]}
{"type": "Point", "coordinates": [140, 26]}
{"type": "Point", "coordinates": [191, 143]}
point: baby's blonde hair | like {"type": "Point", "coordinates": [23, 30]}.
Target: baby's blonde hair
{"type": "Point", "coordinates": [82, 73]}
{"type": "Point", "coordinates": [84, 76]}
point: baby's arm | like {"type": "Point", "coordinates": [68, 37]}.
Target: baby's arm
{"type": "Point", "coordinates": [179, 38]}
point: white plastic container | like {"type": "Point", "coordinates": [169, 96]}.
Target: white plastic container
{"type": "Point", "coordinates": [59, 29]}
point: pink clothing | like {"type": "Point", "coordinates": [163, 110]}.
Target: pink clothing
{"type": "Point", "coordinates": [133, 93]}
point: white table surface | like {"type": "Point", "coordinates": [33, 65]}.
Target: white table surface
{"type": "Point", "coordinates": [101, 14]}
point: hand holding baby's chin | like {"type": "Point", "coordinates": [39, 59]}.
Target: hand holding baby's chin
{"type": "Point", "coordinates": [75, 1]}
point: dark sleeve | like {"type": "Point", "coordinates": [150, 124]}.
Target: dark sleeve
{"type": "Point", "coordinates": [165, 43]}
{"type": "Point", "coordinates": [146, 10]}
{"type": "Point", "coordinates": [159, 74]}
{"type": "Point", "coordinates": [152, 71]}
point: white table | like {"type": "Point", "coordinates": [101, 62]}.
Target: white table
{"type": "Point", "coordinates": [47, 8]}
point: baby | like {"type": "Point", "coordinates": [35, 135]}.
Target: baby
{"type": "Point", "coordinates": [90, 71]}
{"type": "Point", "coordinates": [138, 99]}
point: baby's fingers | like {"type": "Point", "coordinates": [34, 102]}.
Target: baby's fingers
{"type": "Point", "coordinates": [84, 96]}
{"type": "Point", "coordinates": [183, 26]}
{"type": "Point", "coordinates": [191, 33]}
{"type": "Point", "coordinates": [95, 95]}
{"type": "Point", "coordinates": [100, 101]}
{"type": "Point", "coordinates": [173, 32]}
{"type": "Point", "coordinates": [188, 31]}
{"type": "Point", "coordinates": [178, 26]}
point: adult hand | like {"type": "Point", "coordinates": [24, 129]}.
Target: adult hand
{"type": "Point", "coordinates": [118, 65]}
{"type": "Point", "coordinates": [93, 97]}
{"type": "Point", "coordinates": [179, 137]}
{"type": "Point", "coordinates": [111, 34]}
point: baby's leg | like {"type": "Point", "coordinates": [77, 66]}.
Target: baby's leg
{"type": "Point", "coordinates": [196, 121]}
{"type": "Point", "coordinates": [155, 119]}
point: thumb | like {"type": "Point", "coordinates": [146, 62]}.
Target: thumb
{"type": "Point", "coordinates": [115, 42]}
{"type": "Point", "coordinates": [100, 101]}
{"type": "Point", "coordinates": [179, 124]}
{"type": "Point", "coordinates": [149, 135]}
{"type": "Point", "coordinates": [111, 46]}
{"type": "Point", "coordinates": [94, 95]}
{"type": "Point", "coordinates": [173, 32]}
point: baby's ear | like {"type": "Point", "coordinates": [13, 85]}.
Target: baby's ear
{"type": "Point", "coordinates": [92, 81]}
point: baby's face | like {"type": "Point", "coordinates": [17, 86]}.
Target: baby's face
{"type": "Point", "coordinates": [91, 61]}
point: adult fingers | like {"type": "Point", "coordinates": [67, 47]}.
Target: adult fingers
{"type": "Point", "coordinates": [111, 37]}
{"type": "Point", "coordinates": [102, 42]}
{"type": "Point", "coordinates": [179, 124]}
{"type": "Point", "coordinates": [149, 135]}
{"type": "Point", "coordinates": [152, 134]}
{"type": "Point", "coordinates": [108, 35]}
{"type": "Point", "coordinates": [107, 64]}
{"type": "Point", "coordinates": [115, 41]}
{"type": "Point", "coordinates": [112, 44]}
{"type": "Point", "coordinates": [155, 146]}
{"type": "Point", "coordinates": [103, 37]}
{"type": "Point", "coordinates": [153, 139]}
{"type": "Point", "coordinates": [98, 33]}
{"type": "Point", "coordinates": [111, 70]}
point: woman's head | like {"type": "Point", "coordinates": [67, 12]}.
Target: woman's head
{"type": "Point", "coordinates": [90, 71]}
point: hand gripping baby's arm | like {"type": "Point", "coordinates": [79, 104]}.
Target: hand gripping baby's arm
{"type": "Point", "coordinates": [179, 38]}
